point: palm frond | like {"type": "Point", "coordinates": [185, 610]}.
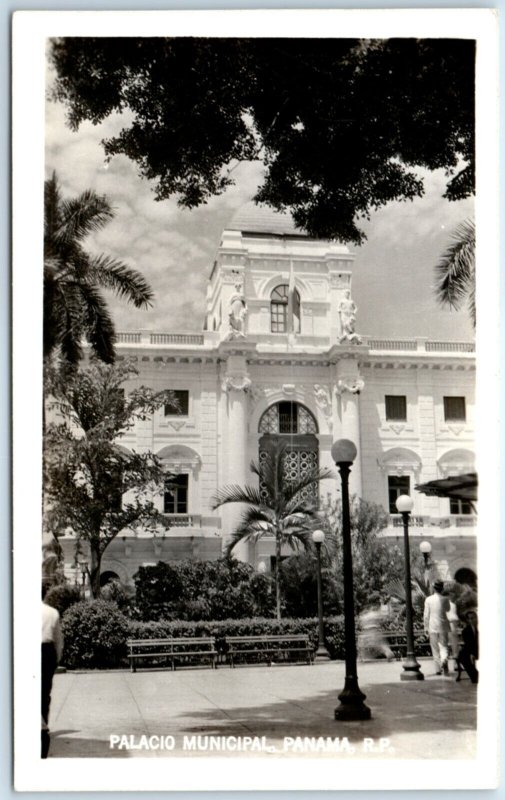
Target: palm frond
{"type": "Point", "coordinates": [293, 489]}
{"type": "Point", "coordinates": [82, 215]}
{"type": "Point", "coordinates": [236, 494]}
{"type": "Point", "coordinates": [456, 269]}
{"type": "Point", "coordinates": [97, 324]}
{"type": "Point", "coordinates": [126, 282]}
{"type": "Point", "coordinates": [240, 535]}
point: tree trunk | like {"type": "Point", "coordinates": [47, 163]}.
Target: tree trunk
{"type": "Point", "coordinates": [94, 572]}
{"type": "Point", "coordinates": [278, 577]}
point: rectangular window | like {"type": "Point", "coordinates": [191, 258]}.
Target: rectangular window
{"type": "Point", "coordinates": [279, 318]}
{"type": "Point", "coordinates": [454, 409]}
{"type": "Point", "coordinates": [182, 407]}
{"type": "Point", "coordinates": [460, 506]}
{"type": "Point", "coordinates": [396, 407]}
{"type": "Point", "coordinates": [288, 420]}
{"type": "Point", "coordinates": [397, 485]}
{"type": "Point", "coordinates": [176, 494]}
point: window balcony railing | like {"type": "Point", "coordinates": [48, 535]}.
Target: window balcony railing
{"type": "Point", "coordinates": [183, 520]}
{"type": "Point", "coordinates": [414, 521]}
{"type": "Point", "coordinates": [465, 521]}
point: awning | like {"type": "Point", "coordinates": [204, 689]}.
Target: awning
{"type": "Point", "coordinates": [459, 487]}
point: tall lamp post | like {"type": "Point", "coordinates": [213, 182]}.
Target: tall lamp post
{"type": "Point", "coordinates": [425, 548]}
{"type": "Point", "coordinates": [321, 652]}
{"type": "Point", "coordinates": [351, 697]}
{"type": "Point", "coordinates": [411, 667]}
{"type": "Point", "coordinates": [84, 571]}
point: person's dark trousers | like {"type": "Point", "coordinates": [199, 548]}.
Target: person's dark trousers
{"type": "Point", "coordinates": [465, 660]}
{"type": "Point", "coordinates": [47, 673]}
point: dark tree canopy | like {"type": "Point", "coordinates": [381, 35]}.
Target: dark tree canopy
{"type": "Point", "coordinates": [340, 124]}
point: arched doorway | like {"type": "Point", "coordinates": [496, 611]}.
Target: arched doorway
{"type": "Point", "coordinates": [294, 425]}
{"type": "Point", "coordinates": [108, 576]}
{"type": "Point", "coordinates": [467, 576]}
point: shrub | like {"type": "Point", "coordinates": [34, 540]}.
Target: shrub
{"type": "Point", "coordinates": [62, 596]}
{"type": "Point", "coordinates": [95, 635]}
{"type": "Point", "coordinates": [199, 590]}
{"type": "Point", "coordinates": [116, 592]}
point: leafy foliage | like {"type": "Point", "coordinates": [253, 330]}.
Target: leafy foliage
{"type": "Point", "coordinates": [93, 485]}
{"type": "Point", "coordinates": [62, 596]}
{"type": "Point", "coordinates": [278, 508]}
{"type": "Point", "coordinates": [95, 635]}
{"type": "Point", "coordinates": [340, 124]}
{"type": "Point", "coordinates": [74, 308]}
{"type": "Point", "coordinates": [201, 590]}
{"type": "Point", "coordinates": [376, 562]}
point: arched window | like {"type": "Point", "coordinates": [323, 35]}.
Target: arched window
{"type": "Point", "coordinates": [288, 418]}
{"type": "Point", "coordinates": [279, 310]}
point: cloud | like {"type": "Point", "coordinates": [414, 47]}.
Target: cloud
{"type": "Point", "coordinates": [174, 248]}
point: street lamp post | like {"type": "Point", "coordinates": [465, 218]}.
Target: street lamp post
{"type": "Point", "coordinates": [425, 548]}
{"type": "Point", "coordinates": [351, 697]}
{"type": "Point", "coordinates": [321, 653]}
{"type": "Point", "coordinates": [84, 571]}
{"type": "Point", "coordinates": [411, 667]}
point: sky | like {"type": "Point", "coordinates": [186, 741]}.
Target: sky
{"type": "Point", "coordinates": [393, 274]}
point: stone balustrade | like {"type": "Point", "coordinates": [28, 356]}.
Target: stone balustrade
{"type": "Point", "coordinates": [413, 345]}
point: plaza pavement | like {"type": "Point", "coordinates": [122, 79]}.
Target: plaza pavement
{"type": "Point", "coordinates": [434, 718]}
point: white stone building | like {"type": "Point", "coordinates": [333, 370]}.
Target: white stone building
{"type": "Point", "coordinates": [280, 356]}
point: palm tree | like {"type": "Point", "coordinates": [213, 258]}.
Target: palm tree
{"type": "Point", "coordinates": [74, 307]}
{"type": "Point", "coordinates": [279, 508]}
{"type": "Point", "coordinates": [456, 270]}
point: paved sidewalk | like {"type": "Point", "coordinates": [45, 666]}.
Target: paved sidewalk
{"type": "Point", "coordinates": [434, 718]}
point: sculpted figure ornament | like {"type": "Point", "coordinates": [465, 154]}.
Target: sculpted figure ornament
{"type": "Point", "coordinates": [237, 382]}
{"type": "Point", "coordinates": [323, 402]}
{"type": "Point", "coordinates": [352, 385]}
{"type": "Point", "coordinates": [237, 313]}
{"type": "Point", "coordinates": [347, 312]}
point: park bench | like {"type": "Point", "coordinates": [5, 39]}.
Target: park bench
{"type": "Point", "coordinates": [186, 649]}
{"type": "Point", "coordinates": [268, 648]}
{"type": "Point", "coordinates": [398, 643]}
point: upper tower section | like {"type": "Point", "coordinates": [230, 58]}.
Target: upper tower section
{"type": "Point", "coordinates": [271, 281]}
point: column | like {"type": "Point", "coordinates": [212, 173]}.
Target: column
{"type": "Point", "coordinates": [235, 384]}
{"type": "Point", "coordinates": [349, 384]}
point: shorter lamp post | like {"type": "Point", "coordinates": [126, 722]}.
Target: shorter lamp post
{"type": "Point", "coordinates": [411, 667]}
{"type": "Point", "coordinates": [425, 548]}
{"type": "Point", "coordinates": [84, 571]}
{"type": "Point", "coordinates": [262, 567]}
{"type": "Point", "coordinates": [321, 652]}
{"type": "Point", "coordinates": [351, 697]}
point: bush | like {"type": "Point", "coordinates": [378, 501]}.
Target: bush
{"type": "Point", "coordinates": [116, 592]}
{"type": "Point", "coordinates": [62, 596]}
{"type": "Point", "coordinates": [201, 590]}
{"type": "Point", "coordinates": [95, 635]}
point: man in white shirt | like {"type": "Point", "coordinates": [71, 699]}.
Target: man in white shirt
{"type": "Point", "coordinates": [52, 649]}
{"type": "Point", "coordinates": [436, 625]}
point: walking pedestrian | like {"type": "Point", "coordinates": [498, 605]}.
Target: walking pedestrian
{"type": "Point", "coordinates": [469, 652]}
{"type": "Point", "coordinates": [52, 649]}
{"type": "Point", "coordinates": [437, 627]}
{"type": "Point", "coordinates": [372, 640]}
{"type": "Point", "coordinates": [453, 617]}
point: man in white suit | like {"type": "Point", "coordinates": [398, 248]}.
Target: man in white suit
{"type": "Point", "coordinates": [437, 626]}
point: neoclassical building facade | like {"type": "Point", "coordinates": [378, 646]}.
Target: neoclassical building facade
{"type": "Point", "coordinates": [280, 357]}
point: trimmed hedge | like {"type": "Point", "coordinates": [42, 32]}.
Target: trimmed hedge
{"type": "Point", "coordinates": [96, 633]}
